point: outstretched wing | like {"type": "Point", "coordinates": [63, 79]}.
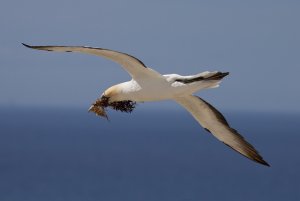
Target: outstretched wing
{"type": "Point", "coordinates": [215, 123]}
{"type": "Point", "coordinates": [135, 67]}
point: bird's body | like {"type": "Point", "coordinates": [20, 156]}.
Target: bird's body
{"type": "Point", "coordinates": [157, 88]}
{"type": "Point", "coordinates": [149, 85]}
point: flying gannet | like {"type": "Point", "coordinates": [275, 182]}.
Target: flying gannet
{"type": "Point", "coordinates": [149, 85]}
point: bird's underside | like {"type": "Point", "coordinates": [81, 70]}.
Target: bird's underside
{"type": "Point", "coordinates": [149, 85]}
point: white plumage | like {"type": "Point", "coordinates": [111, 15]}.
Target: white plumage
{"type": "Point", "coordinates": [149, 85]}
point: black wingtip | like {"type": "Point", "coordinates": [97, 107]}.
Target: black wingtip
{"type": "Point", "coordinates": [223, 74]}
{"type": "Point", "coordinates": [217, 76]}
{"type": "Point", "coordinates": [264, 163]}
{"type": "Point", "coordinates": [226, 73]}
{"type": "Point", "coordinates": [26, 45]}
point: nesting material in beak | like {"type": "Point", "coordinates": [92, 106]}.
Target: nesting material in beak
{"type": "Point", "coordinates": [102, 103]}
{"type": "Point", "coordinates": [99, 107]}
{"type": "Point", "coordinates": [99, 111]}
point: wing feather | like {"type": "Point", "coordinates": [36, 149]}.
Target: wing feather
{"type": "Point", "coordinates": [215, 123]}
{"type": "Point", "coordinates": [135, 67]}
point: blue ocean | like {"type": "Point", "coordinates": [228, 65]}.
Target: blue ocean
{"type": "Point", "coordinates": [69, 154]}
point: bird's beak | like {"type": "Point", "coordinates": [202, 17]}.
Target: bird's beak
{"type": "Point", "coordinates": [99, 111]}
{"type": "Point", "coordinates": [99, 107]}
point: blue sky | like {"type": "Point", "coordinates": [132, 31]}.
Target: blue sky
{"type": "Point", "coordinates": [258, 42]}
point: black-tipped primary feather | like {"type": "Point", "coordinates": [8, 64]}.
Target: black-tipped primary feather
{"type": "Point", "coordinates": [215, 123]}
{"type": "Point", "coordinates": [135, 67]}
{"type": "Point", "coordinates": [216, 76]}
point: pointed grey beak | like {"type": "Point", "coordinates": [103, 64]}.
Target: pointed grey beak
{"type": "Point", "coordinates": [98, 110]}
{"type": "Point", "coordinates": [99, 107]}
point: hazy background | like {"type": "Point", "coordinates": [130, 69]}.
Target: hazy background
{"type": "Point", "coordinates": [257, 41]}
{"type": "Point", "coordinates": [52, 149]}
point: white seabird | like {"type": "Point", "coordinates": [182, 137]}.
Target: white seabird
{"type": "Point", "coordinates": [149, 85]}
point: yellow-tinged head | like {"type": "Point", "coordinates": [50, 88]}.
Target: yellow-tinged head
{"type": "Point", "coordinates": [113, 93]}
{"type": "Point", "coordinates": [112, 98]}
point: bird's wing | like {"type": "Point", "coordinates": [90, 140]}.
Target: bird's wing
{"type": "Point", "coordinates": [215, 123]}
{"type": "Point", "coordinates": [132, 65]}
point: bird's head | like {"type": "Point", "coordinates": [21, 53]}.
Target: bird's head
{"type": "Point", "coordinates": [110, 99]}
{"type": "Point", "coordinates": [113, 93]}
